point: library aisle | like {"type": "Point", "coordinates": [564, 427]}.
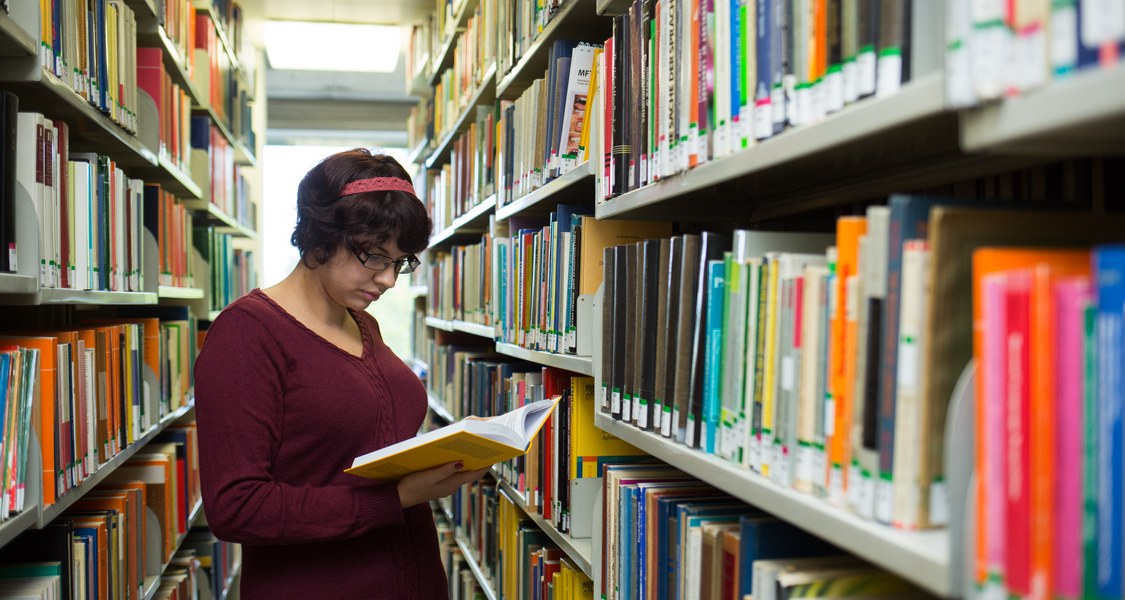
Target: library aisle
{"type": "Point", "coordinates": [826, 297]}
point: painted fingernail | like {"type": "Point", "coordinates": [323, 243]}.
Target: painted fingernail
{"type": "Point", "coordinates": [458, 466]}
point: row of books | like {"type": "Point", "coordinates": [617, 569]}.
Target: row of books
{"type": "Point", "coordinates": [218, 83]}
{"type": "Point", "coordinates": [688, 83]}
{"type": "Point", "coordinates": [547, 271]}
{"type": "Point", "coordinates": [459, 283]}
{"type": "Point", "coordinates": [463, 584]}
{"type": "Point", "coordinates": [470, 176]}
{"type": "Point", "coordinates": [419, 48]}
{"type": "Point", "coordinates": [444, 11]}
{"type": "Point", "coordinates": [555, 477]}
{"type": "Point", "coordinates": [89, 212]}
{"type": "Point", "coordinates": [475, 48]}
{"type": "Point", "coordinates": [232, 273]}
{"type": "Point", "coordinates": [1003, 49]}
{"type": "Point", "coordinates": [173, 107]}
{"type": "Point", "coordinates": [101, 386]}
{"type": "Point", "coordinates": [520, 23]}
{"type": "Point", "coordinates": [218, 559]}
{"type": "Point", "coordinates": [420, 125]}
{"type": "Point", "coordinates": [100, 546]}
{"type": "Point", "coordinates": [91, 46]}
{"type": "Point", "coordinates": [177, 19]}
{"type": "Point", "coordinates": [543, 133]}
{"type": "Point", "coordinates": [1048, 345]}
{"type": "Point", "coordinates": [821, 362]}
{"type": "Point", "coordinates": [516, 557]}
{"type": "Point", "coordinates": [213, 165]}
{"type": "Point", "coordinates": [458, 84]}
{"type": "Point", "coordinates": [460, 184]}
{"type": "Point", "coordinates": [18, 367]}
{"type": "Point", "coordinates": [668, 535]}
{"type": "Point", "coordinates": [170, 223]}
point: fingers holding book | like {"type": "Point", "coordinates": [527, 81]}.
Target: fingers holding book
{"type": "Point", "coordinates": [431, 484]}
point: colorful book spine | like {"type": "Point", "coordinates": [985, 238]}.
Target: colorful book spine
{"type": "Point", "coordinates": [1109, 264]}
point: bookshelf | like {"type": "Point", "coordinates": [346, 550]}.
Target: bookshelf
{"type": "Point", "coordinates": [470, 559]}
{"type": "Point", "coordinates": [485, 93]}
{"type": "Point", "coordinates": [50, 513]}
{"type": "Point", "coordinates": [208, 8]}
{"type": "Point", "coordinates": [577, 20]}
{"type": "Point", "coordinates": [484, 331]}
{"type": "Point", "coordinates": [579, 550]}
{"type": "Point", "coordinates": [41, 91]}
{"type": "Point", "coordinates": [93, 297]}
{"type": "Point", "coordinates": [1079, 114]}
{"type": "Point", "coordinates": [242, 154]}
{"type": "Point", "coordinates": [473, 222]}
{"type": "Point", "coordinates": [179, 293]}
{"type": "Point", "coordinates": [136, 155]}
{"type": "Point", "coordinates": [235, 571]}
{"type": "Point", "coordinates": [578, 364]}
{"type": "Point", "coordinates": [222, 220]}
{"type": "Point", "coordinates": [14, 41]}
{"type": "Point", "coordinates": [418, 153]}
{"type": "Point", "coordinates": [443, 59]}
{"type": "Point", "coordinates": [418, 290]}
{"type": "Point", "coordinates": [921, 557]}
{"type": "Point", "coordinates": [874, 126]}
{"type": "Point", "coordinates": [11, 283]}
{"type": "Point", "coordinates": [152, 582]}
{"type": "Point", "coordinates": [442, 324]}
{"type": "Point", "coordinates": [577, 183]}
{"type": "Point", "coordinates": [438, 409]}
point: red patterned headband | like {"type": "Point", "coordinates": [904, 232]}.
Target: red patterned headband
{"type": "Point", "coordinates": [378, 184]}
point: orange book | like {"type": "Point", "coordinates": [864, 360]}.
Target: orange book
{"type": "Point", "coordinates": [46, 424]}
{"type": "Point", "coordinates": [818, 49]}
{"type": "Point", "coordinates": [156, 471]}
{"type": "Point", "coordinates": [1047, 263]}
{"type": "Point", "coordinates": [134, 491]}
{"type": "Point", "coordinates": [848, 232]}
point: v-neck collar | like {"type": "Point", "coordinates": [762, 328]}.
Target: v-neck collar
{"type": "Point", "coordinates": [366, 342]}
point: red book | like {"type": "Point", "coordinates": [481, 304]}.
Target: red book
{"type": "Point", "coordinates": [1018, 497]}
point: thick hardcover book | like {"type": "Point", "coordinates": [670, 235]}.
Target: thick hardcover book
{"type": "Point", "coordinates": [608, 327]}
{"type": "Point", "coordinates": [1109, 267]}
{"type": "Point", "coordinates": [620, 340]}
{"type": "Point", "coordinates": [689, 279]}
{"type": "Point", "coordinates": [629, 282]}
{"type": "Point", "coordinates": [650, 330]}
{"type": "Point", "coordinates": [475, 443]}
{"type": "Point", "coordinates": [660, 334]}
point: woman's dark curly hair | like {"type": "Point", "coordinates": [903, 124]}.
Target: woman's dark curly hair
{"type": "Point", "coordinates": [363, 221]}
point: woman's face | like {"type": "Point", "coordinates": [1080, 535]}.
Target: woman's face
{"type": "Point", "coordinates": [348, 282]}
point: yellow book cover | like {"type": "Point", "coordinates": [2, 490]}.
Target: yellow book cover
{"type": "Point", "coordinates": [770, 352]}
{"type": "Point", "coordinates": [475, 443]}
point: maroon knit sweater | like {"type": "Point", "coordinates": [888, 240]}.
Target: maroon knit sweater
{"type": "Point", "coordinates": [282, 412]}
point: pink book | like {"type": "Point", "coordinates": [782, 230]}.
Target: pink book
{"type": "Point", "coordinates": [994, 442]}
{"type": "Point", "coordinates": [1017, 567]}
{"type": "Point", "coordinates": [1072, 296]}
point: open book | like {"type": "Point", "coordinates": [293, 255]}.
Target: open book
{"type": "Point", "coordinates": [477, 444]}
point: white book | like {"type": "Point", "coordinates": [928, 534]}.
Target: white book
{"type": "Point", "coordinates": [574, 107]}
{"type": "Point", "coordinates": [80, 253]}
{"type": "Point", "coordinates": [908, 455]}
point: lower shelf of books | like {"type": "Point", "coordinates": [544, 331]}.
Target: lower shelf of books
{"type": "Point", "coordinates": [581, 551]}
{"type": "Point", "coordinates": [922, 557]}
{"type": "Point", "coordinates": [485, 584]}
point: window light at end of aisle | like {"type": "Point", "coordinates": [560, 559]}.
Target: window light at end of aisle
{"type": "Point", "coordinates": [351, 47]}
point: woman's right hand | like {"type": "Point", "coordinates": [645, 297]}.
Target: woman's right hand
{"type": "Point", "coordinates": [435, 483]}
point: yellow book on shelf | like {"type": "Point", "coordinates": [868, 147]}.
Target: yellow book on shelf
{"type": "Point", "coordinates": [475, 443]}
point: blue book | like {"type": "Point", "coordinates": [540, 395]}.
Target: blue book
{"type": "Point", "coordinates": [716, 307]}
{"type": "Point", "coordinates": [642, 539]}
{"type": "Point", "coordinates": [666, 507]}
{"type": "Point", "coordinates": [1109, 272]}
{"type": "Point", "coordinates": [738, 75]}
{"type": "Point", "coordinates": [5, 370]}
{"type": "Point", "coordinates": [764, 537]}
{"type": "Point", "coordinates": [624, 564]}
{"type": "Point", "coordinates": [909, 218]}
{"type": "Point", "coordinates": [687, 511]}
{"type": "Point", "coordinates": [201, 132]}
{"type": "Point", "coordinates": [88, 536]}
{"type": "Point", "coordinates": [769, 66]}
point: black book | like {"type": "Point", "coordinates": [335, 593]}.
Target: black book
{"type": "Point", "coordinates": [711, 247]}
{"type": "Point", "coordinates": [648, 313]}
{"type": "Point", "coordinates": [685, 319]}
{"type": "Point", "coordinates": [659, 366]}
{"type": "Point", "coordinates": [620, 316]}
{"type": "Point", "coordinates": [628, 382]}
{"type": "Point", "coordinates": [622, 102]}
{"type": "Point", "coordinates": [670, 327]}
{"type": "Point", "coordinates": [53, 543]}
{"type": "Point", "coordinates": [609, 257]}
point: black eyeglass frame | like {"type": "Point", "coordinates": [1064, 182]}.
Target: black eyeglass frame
{"type": "Point", "coordinates": [406, 264]}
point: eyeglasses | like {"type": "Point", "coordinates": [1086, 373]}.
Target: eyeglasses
{"type": "Point", "coordinates": [380, 263]}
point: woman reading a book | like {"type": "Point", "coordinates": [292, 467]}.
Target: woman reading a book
{"type": "Point", "coordinates": [294, 381]}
